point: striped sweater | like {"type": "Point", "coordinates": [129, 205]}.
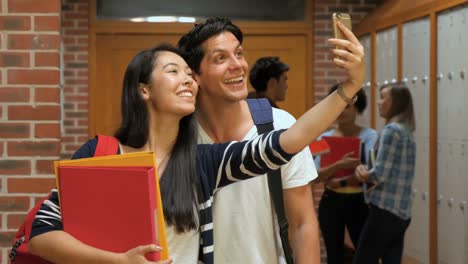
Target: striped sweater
{"type": "Point", "coordinates": [218, 165]}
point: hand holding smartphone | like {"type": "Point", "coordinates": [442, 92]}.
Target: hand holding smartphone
{"type": "Point", "coordinates": [345, 19]}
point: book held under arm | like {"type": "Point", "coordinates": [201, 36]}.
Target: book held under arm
{"type": "Point", "coordinates": [113, 202]}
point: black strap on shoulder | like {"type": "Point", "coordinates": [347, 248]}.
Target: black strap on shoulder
{"type": "Point", "coordinates": [262, 116]}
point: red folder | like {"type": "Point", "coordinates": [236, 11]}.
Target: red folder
{"type": "Point", "coordinates": [111, 208]}
{"type": "Point", "coordinates": [340, 146]}
{"type": "Point", "coordinates": [319, 147]}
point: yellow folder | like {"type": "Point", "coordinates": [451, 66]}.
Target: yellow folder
{"type": "Point", "coordinates": [129, 159]}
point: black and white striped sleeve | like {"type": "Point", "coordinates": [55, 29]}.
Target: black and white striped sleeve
{"type": "Point", "coordinates": [49, 217]}
{"type": "Point", "coordinates": [237, 161]}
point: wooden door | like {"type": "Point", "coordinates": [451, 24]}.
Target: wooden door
{"type": "Point", "coordinates": [114, 52]}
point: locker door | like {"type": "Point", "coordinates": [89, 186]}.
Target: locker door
{"type": "Point", "coordinates": [443, 236]}
{"type": "Point", "coordinates": [386, 50]}
{"type": "Point", "coordinates": [364, 118]}
{"type": "Point", "coordinates": [415, 65]}
{"type": "Point", "coordinates": [452, 101]}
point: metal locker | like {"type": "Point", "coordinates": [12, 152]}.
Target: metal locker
{"type": "Point", "coordinates": [442, 212]}
{"type": "Point", "coordinates": [442, 61]}
{"type": "Point", "coordinates": [386, 51]}
{"type": "Point", "coordinates": [364, 118]}
{"type": "Point", "coordinates": [452, 130]}
{"type": "Point", "coordinates": [415, 63]}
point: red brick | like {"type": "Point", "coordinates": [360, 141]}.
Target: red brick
{"type": "Point", "coordinates": [44, 166]}
{"type": "Point", "coordinates": [15, 23]}
{"type": "Point", "coordinates": [47, 95]}
{"type": "Point", "coordinates": [76, 32]}
{"type": "Point", "coordinates": [83, 123]}
{"type": "Point", "coordinates": [68, 41]}
{"type": "Point", "coordinates": [47, 131]}
{"type": "Point", "coordinates": [83, 8]}
{"type": "Point", "coordinates": [30, 185]}
{"type": "Point", "coordinates": [34, 6]}
{"type": "Point", "coordinates": [6, 238]}
{"type": "Point", "coordinates": [47, 59]}
{"type": "Point", "coordinates": [47, 23]}
{"type": "Point", "coordinates": [14, 94]}
{"type": "Point", "coordinates": [27, 112]}
{"type": "Point", "coordinates": [75, 16]}
{"type": "Point", "coordinates": [15, 167]}
{"type": "Point", "coordinates": [82, 58]}
{"type": "Point", "coordinates": [83, 24]}
{"type": "Point", "coordinates": [14, 204]}
{"type": "Point", "coordinates": [39, 199]}
{"type": "Point", "coordinates": [33, 148]}
{"type": "Point", "coordinates": [19, 76]}
{"type": "Point", "coordinates": [37, 41]}
{"type": "Point", "coordinates": [14, 221]}
{"type": "Point", "coordinates": [14, 130]}
{"type": "Point", "coordinates": [14, 59]}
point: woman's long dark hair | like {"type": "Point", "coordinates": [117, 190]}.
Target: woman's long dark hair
{"type": "Point", "coordinates": [179, 182]}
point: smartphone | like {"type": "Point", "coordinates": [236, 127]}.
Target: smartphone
{"type": "Point", "coordinates": [345, 19]}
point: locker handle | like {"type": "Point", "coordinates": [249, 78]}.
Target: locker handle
{"type": "Point", "coordinates": [394, 80]}
{"type": "Point", "coordinates": [415, 79]}
{"type": "Point", "coordinates": [450, 75]}
{"type": "Point", "coordinates": [368, 84]}
{"type": "Point", "coordinates": [385, 82]}
{"type": "Point", "coordinates": [439, 199]}
{"type": "Point", "coordinates": [462, 205]}
{"type": "Point", "coordinates": [405, 80]}
{"type": "Point", "coordinates": [440, 76]}
{"type": "Point", "coordinates": [424, 196]}
{"type": "Point", "coordinates": [450, 202]}
{"type": "Point", "coordinates": [425, 78]}
{"type": "Point", "coordinates": [462, 74]}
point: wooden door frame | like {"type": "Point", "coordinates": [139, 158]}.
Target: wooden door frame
{"type": "Point", "coordinates": [98, 27]}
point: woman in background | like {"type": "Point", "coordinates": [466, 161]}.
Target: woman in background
{"type": "Point", "coordinates": [342, 204]}
{"type": "Point", "coordinates": [392, 175]}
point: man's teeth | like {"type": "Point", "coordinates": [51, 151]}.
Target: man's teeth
{"type": "Point", "coordinates": [185, 94]}
{"type": "Point", "coordinates": [237, 79]}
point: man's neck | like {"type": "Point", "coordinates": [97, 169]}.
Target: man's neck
{"type": "Point", "coordinates": [224, 121]}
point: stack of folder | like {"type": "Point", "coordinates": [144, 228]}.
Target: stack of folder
{"type": "Point", "coordinates": [340, 146]}
{"type": "Point", "coordinates": [113, 202]}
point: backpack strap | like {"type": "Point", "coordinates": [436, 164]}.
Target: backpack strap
{"type": "Point", "coordinates": [262, 116]}
{"type": "Point", "coordinates": [106, 145]}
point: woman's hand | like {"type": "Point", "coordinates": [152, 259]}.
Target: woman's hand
{"type": "Point", "coordinates": [362, 174]}
{"type": "Point", "coordinates": [350, 56]}
{"type": "Point", "coordinates": [347, 162]}
{"type": "Point", "coordinates": [137, 255]}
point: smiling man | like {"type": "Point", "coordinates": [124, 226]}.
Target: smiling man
{"type": "Point", "coordinates": [245, 224]}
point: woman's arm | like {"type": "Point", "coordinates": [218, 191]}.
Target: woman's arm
{"type": "Point", "coordinates": [60, 247]}
{"type": "Point", "coordinates": [324, 174]}
{"type": "Point", "coordinates": [318, 119]}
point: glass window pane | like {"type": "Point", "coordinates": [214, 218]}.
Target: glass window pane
{"type": "Point", "coordinates": [171, 11]}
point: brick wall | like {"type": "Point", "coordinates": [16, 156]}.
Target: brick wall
{"type": "Point", "coordinates": [75, 56]}
{"type": "Point", "coordinates": [29, 108]}
{"type": "Point", "coordinates": [325, 72]}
